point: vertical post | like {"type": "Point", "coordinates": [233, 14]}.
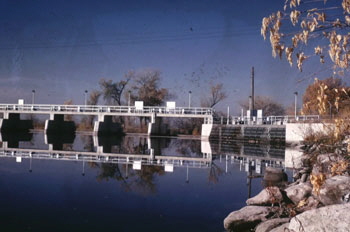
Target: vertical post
{"type": "Point", "coordinates": [126, 170]}
{"type": "Point", "coordinates": [30, 165]}
{"type": "Point", "coordinates": [228, 115]}
{"type": "Point", "coordinates": [295, 104]}
{"type": "Point", "coordinates": [250, 103]}
{"type": "Point", "coordinates": [129, 98]}
{"type": "Point", "coordinates": [189, 98]}
{"type": "Point", "coordinates": [187, 180]}
{"type": "Point", "coordinates": [33, 96]}
{"type": "Point", "coordinates": [252, 77]}
{"type": "Point", "coordinates": [83, 171]}
{"type": "Point", "coordinates": [85, 97]}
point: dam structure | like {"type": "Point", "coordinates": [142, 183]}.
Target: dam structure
{"type": "Point", "coordinates": [11, 120]}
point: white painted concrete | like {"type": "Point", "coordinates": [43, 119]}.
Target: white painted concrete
{"type": "Point", "coordinates": [292, 158]}
{"type": "Point", "coordinates": [205, 147]}
{"type": "Point", "coordinates": [206, 130]}
{"type": "Point", "coordinates": [296, 132]}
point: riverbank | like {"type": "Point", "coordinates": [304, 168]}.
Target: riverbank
{"type": "Point", "coordinates": [317, 199]}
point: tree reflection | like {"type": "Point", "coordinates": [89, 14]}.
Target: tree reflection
{"type": "Point", "coordinates": [140, 181]}
{"type": "Point", "coordinates": [214, 173]}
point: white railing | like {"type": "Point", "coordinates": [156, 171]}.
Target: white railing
{"type": "Point", "coordinates": [269, 120]}
{"type": "Point", "coordinates": [106, 157]}
{"type": "Point", "coordinates": [95, 109]}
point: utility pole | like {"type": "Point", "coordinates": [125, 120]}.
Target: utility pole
{"type": "Point", "coordinates": [85, 97]}
{"type": "Point", "coordinates": [251, 105]}
{"type": "Point", "coordinates": [295, 104]}
{"type": "Point", "coordinates": [33, 96]}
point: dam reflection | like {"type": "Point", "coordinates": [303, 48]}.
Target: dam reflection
{"type": "Point", "coordinates": [139, 151]}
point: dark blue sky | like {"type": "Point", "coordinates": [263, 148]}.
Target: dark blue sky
{"type": "Point", "coordinates": [61, 48]}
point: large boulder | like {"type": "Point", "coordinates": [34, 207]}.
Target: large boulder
{"type": "Point", "coordinates": [269, 195]}
{"type": "Point", "coordinates": [299, 192]}
{"type": "Point", "coordinates": [247, 217]}
{"type": "Point", "coordinates": [268, 225]}
{"type": "Point", "coordinates": [328, 218]}
{"type": "Point", "coordinates": [334, 189]}
{"type": "Point", "coordinates": [274, 174]}
{"type": "Point", "coordinates": [281, 228]}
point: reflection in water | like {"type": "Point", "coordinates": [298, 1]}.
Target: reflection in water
{"type": "Point", "coordinates": [183, 178]}
{"type": "Point", "coordinates": [135, 161]}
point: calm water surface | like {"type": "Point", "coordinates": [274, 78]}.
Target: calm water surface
{"type": "Point", "coordinates": [44, 191]}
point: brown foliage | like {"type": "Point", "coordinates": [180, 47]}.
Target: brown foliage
{"type": "Point", "coordinates": [310, 24]}
{"type": "Point", "coordinates": [326, 97]}
{"type": "Point", "coordinates": [317, 181]}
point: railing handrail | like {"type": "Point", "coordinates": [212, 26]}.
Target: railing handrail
{"type": "Point", "coordinates": [266, 119]}
{"type": "Point", "coordinates": [106, 109]}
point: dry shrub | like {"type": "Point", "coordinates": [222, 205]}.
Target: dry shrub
{"type": "Point", "coordinates": [317, 181]}
{"type": "Point", "coordinates": [340, 167]}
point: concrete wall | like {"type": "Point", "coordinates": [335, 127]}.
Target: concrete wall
{"type": "Point", "coordinates": [295, 132]}
{"type": "Point", "coordinates": [206, 131]}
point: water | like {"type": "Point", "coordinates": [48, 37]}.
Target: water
{"type": "Point", "coordinates": [48, 191]}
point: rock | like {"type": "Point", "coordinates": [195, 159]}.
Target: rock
{"type": "Point", "coordinates": [338, 151]}
{"type": "Point", "coordinates": [281, 228]}
{"type": "Point", "coordinates": [313, 148]}
{"type": "Point", "coordinates": [334, 189]}
{"type": "Point", "coordinates": [296, 175]}
{"type": "Point", "coordinates": [310, 203]}
{"type": "Point", "coordinates": [269, 195]}
{"type": "Point", "coordinates": [294, 183]}
{"type": "Point", "coordinates": [268, 225]}
{"type": "Point", "coordinates": [274, 176]}
{"type": "Point", "coordinates": [299, 192]}
{"type": "Point", "coordinates": [304, 177]}
{"type": "Point", "coordinates": [328, 218]}
{"type": "Point", "coordinates": [305, 160]}
{"type": "Point", "coordinates": [247, 217]}
{"type": "Point", "coordinates": [306, 170]}
{"type": "Point", "coordinates": [324, 163]}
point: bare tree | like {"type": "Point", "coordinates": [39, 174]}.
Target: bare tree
{"type": "Point", "coordinates": [87, 122]}
{"type": "Point", "coordinates": [217, 94]}
{"type": "Point", "coordinates": [269, 106]}
{"type": "Point", "coordinates": [146, 88]}
{"type": "Point", "coordinates": [112, 91]}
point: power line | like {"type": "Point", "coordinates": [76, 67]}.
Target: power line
{"type": "Point", "coordinates": [138, 39]}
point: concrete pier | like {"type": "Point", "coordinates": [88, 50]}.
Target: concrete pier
{"type": "Point", "coordinates": [105, 126]}
{"type": "Point", "coordinates": [156, 127]}
{"type": "Point", "coordinates": [57, 124]}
